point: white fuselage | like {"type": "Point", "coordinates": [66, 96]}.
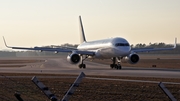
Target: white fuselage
{"type": "Point", "coordinates": [107, 48]}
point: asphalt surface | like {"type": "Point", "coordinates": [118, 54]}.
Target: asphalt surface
{"type": "Point", "coordinates": [61, 66]}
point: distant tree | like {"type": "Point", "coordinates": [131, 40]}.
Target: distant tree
{"type": "Point", "coordinates": [140, 45]}
{"type": "Point", "coordinates": [161, 44]}
{"type": "Point", "coordinates": [143, 45]}
{"type": "Point", "coordinates": [132, 46]}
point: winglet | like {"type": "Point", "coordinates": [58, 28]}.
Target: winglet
{"type": "Point", "coordinates": [175, 44]}
{"type": "Point", "coordinates": [5, 43]}
{"type": "Point", "coordinates": [83, 38]}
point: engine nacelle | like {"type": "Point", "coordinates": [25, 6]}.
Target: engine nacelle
{"type": "Point", "coordinates": [73, 58]}
{"type": "Point", "coordinates": [132, 58]}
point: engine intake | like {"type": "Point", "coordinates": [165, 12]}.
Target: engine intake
{"type": "Point", "coordinates": [73, 58]}
{"type": "Point", "coordinates": [132, 58]}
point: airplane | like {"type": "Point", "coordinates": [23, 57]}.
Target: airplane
{"type": "Point", "coordinates": [116, 49]}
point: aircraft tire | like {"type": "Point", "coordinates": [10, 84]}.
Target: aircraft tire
{"type": "Point", "coordinates": [80, 66]}
{"type": "Point", "coordinates": [115, 66]}
{"type": "Point", "coordinates": [112, 66]}
{"type": "Point", "coordinates": [118, 66]}
{"type": "Point", "coordinates": [84, 66]}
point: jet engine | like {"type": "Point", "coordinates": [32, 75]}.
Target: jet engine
{"type": "Point", "coordinates": [132, 58]}
{"type": "Point", "coordinates": [73, 58]}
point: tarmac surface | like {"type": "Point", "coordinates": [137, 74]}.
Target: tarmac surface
{"type": "Point", "coordinates": [61, 66]}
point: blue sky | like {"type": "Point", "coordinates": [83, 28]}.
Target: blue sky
{"type": "Point", "coordinates": [55, 22]}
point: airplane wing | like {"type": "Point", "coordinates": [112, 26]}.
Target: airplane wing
{"type": "Point", "coordinates": [138, 50]}
{"type": "Point", "coordinates": [56, 50]}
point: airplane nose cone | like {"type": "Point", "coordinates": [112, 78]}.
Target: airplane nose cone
{"type": "Point", "coordinates": [127, 50]}
{"type": "Point", "coordinates": [124, 50]}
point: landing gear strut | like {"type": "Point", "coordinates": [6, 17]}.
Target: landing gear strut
{"type": "Point", "coordinates": [82, 65]}
{"type": "Point", "coordinates": [114, 65]}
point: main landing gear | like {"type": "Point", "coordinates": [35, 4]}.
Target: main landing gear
{"type": "Point", "coordinates": [114, 65]}
{"type": "Point", "coordinates": [82, 65]}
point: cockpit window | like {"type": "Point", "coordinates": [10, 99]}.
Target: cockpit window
{"type": "Point", "coordinates": [121, 44]}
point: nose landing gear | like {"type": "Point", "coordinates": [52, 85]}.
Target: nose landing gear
{"type": "Point", "coordinates": [114, 65]}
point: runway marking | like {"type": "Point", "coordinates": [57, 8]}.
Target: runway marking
{"type": "Point", "coordinates": [128, 80]}
{"type": "Point", "coordinates": [94, 78]}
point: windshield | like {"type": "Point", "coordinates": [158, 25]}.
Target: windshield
{"type": "Point", "coordinates": [121, 44]}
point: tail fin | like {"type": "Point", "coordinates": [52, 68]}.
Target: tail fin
{"type": "Point", "coordinates": [83, 39]}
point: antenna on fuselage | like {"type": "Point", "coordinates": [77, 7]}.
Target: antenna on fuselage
{"type": "Point", "coordinates": [83, 38]}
